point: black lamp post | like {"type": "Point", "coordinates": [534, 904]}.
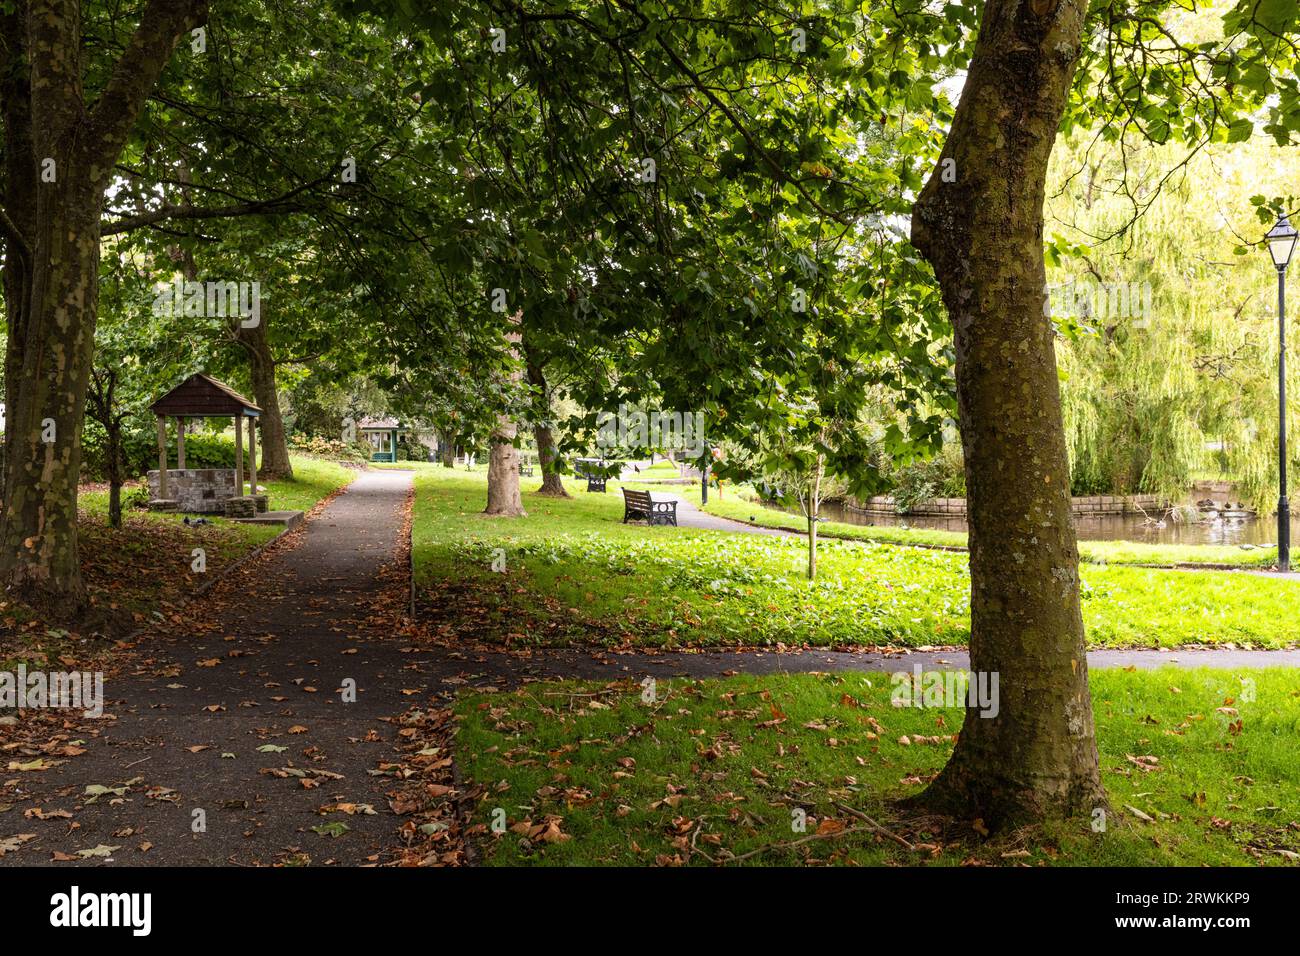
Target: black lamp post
{"type": "Point", "coordinates": [1281, 243]}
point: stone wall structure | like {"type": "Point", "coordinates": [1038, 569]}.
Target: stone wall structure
{"type": "Point", "coordinates": [1091, 505]}
{"type": "Point", "coordinates": [196, 490]}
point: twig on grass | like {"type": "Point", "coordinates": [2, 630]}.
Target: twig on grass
{"type": "Point", "coordinates": [866, 819]}
{"type": "Point", "coordinates": [794, 843]}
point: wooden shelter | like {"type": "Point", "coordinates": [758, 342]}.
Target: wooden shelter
{"type": "Point", "coordinates": [202, 396]}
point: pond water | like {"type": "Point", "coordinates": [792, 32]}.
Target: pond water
{"type": "Point", "coordinates": [1131, 527]}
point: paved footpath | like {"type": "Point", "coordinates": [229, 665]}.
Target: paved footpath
{"type": "Point", "coordinates": [261, 666]}
{"type": "Point", "coordinates": [290, 628]}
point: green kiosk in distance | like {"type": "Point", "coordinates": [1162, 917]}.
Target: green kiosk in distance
{"type": "Point", "coordinates": [382, 434]}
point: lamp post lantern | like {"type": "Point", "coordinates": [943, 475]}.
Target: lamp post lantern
{"type": "Point", "coordinates": [1281, 243]}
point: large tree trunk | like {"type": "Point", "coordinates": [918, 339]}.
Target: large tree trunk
{"type": "Point", "coordinates": [55, 345]}
{"type": "Point", "coordinates": [982, 232]}
{"type": "Point", "coordinates": [275, 447]}
{"type": "Point", "coordinates": [504, 499]}
{"type": "Point", "coordinates": [447, 450]}
{"type": "Point", "coordinates": [58, 157]}
{"type": "Point", "coordinates": [552, 483]}
{"type": "Point", "coordinates": [503, 473]}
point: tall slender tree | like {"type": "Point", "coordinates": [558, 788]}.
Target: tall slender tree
{"type": "Point", "coordinates": [979, 221]}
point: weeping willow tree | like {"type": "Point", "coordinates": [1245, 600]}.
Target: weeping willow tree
{"type": "Point", "coordinates": [1168, 353]}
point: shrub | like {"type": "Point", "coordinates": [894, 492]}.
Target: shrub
{"type": "Point", "coordinates": [137, 497]}
{"type": "Point", "coordinates": [140, 449]}
{"type": "Point", "coordinates": [210, 451]}
{"type": "Point", "coordinates": [331, 448]}
{"type": "Point", "coordinates": [937, 477]}
{"type": "Point", "coordinates": [139, 445]}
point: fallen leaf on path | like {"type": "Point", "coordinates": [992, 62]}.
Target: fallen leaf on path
{"type": "Point", "coordinates": [100, 850]}
{"type": "Point", "coordinates": [40, 763]}
{"type": "Point", "coordinates": [10, 844]}
{"type": "Point", "coordinates": [41, 814]}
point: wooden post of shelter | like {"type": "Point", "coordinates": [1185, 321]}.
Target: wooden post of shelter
{"type": "Point", "coordinates": [252, 455]}
{"type": "Point", "coordinates": [180, 443]}
{"type": "Point", "coordinates": [239, 455]}
{"type": "Point", "coordinates": [162, 456]}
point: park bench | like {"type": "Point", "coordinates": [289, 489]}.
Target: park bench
{"type": "Point", "coordinates": [639, 506]}
{"type": "Point", "coordinates": [592, 470]}
{"type": "Point", "coordinates": [526, 472]}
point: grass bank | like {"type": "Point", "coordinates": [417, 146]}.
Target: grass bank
{"type": "Point", "coordinates": [723, 772]}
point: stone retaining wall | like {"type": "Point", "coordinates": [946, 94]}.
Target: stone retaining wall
{"type": "Point", "coordinates": [242, 507]}
{"type": "Point", "coordinates": [956, 507]}
{"type": "Point", "coordinates": [196, 490]}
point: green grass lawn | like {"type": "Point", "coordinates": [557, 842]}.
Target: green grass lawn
{"type": "Point", "coordinates": [577, 564]}
{"type": "Point", "coordinates": [593, 774]}
{"type": "Point", "coordinates": [313, 480]}
{"type": "Point", "coordinates": [740, 508]}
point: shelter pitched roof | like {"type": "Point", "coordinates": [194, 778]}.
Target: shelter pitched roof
{"type": "Point", "coordinates": [202, 396]}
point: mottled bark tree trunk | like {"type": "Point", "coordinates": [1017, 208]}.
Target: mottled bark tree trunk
{"type": "Point", "coordinates": [552, 483]}
{"type": "Point", "coordinates": [274, 462]}
{"type": "Point", "coordinates": [504, 499]}
{"type": "Point", "coordinates": [38, 531]}
{"type": "Point", "coordinates": [447, 450]}
{"type": "Point", "coordinates": [503, 473]}
{"type": "Point", "coordinates": [59, 156]}
{"type": "Point", "coordinates": [979, 221]}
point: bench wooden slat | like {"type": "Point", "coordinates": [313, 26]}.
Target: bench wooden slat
{"type": "Point", "coordinates": [639, 506]}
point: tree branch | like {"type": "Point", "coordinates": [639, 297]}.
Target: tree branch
{"type": "Point", "coordinates": [15, 234]}
{"type": "Point", "coordinates": [162, 25]}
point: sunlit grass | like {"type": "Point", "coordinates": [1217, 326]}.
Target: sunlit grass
{"type": "Point", "coordinates": [574, 560]}
{"type": "Point", "coordinates": [605, 774]}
